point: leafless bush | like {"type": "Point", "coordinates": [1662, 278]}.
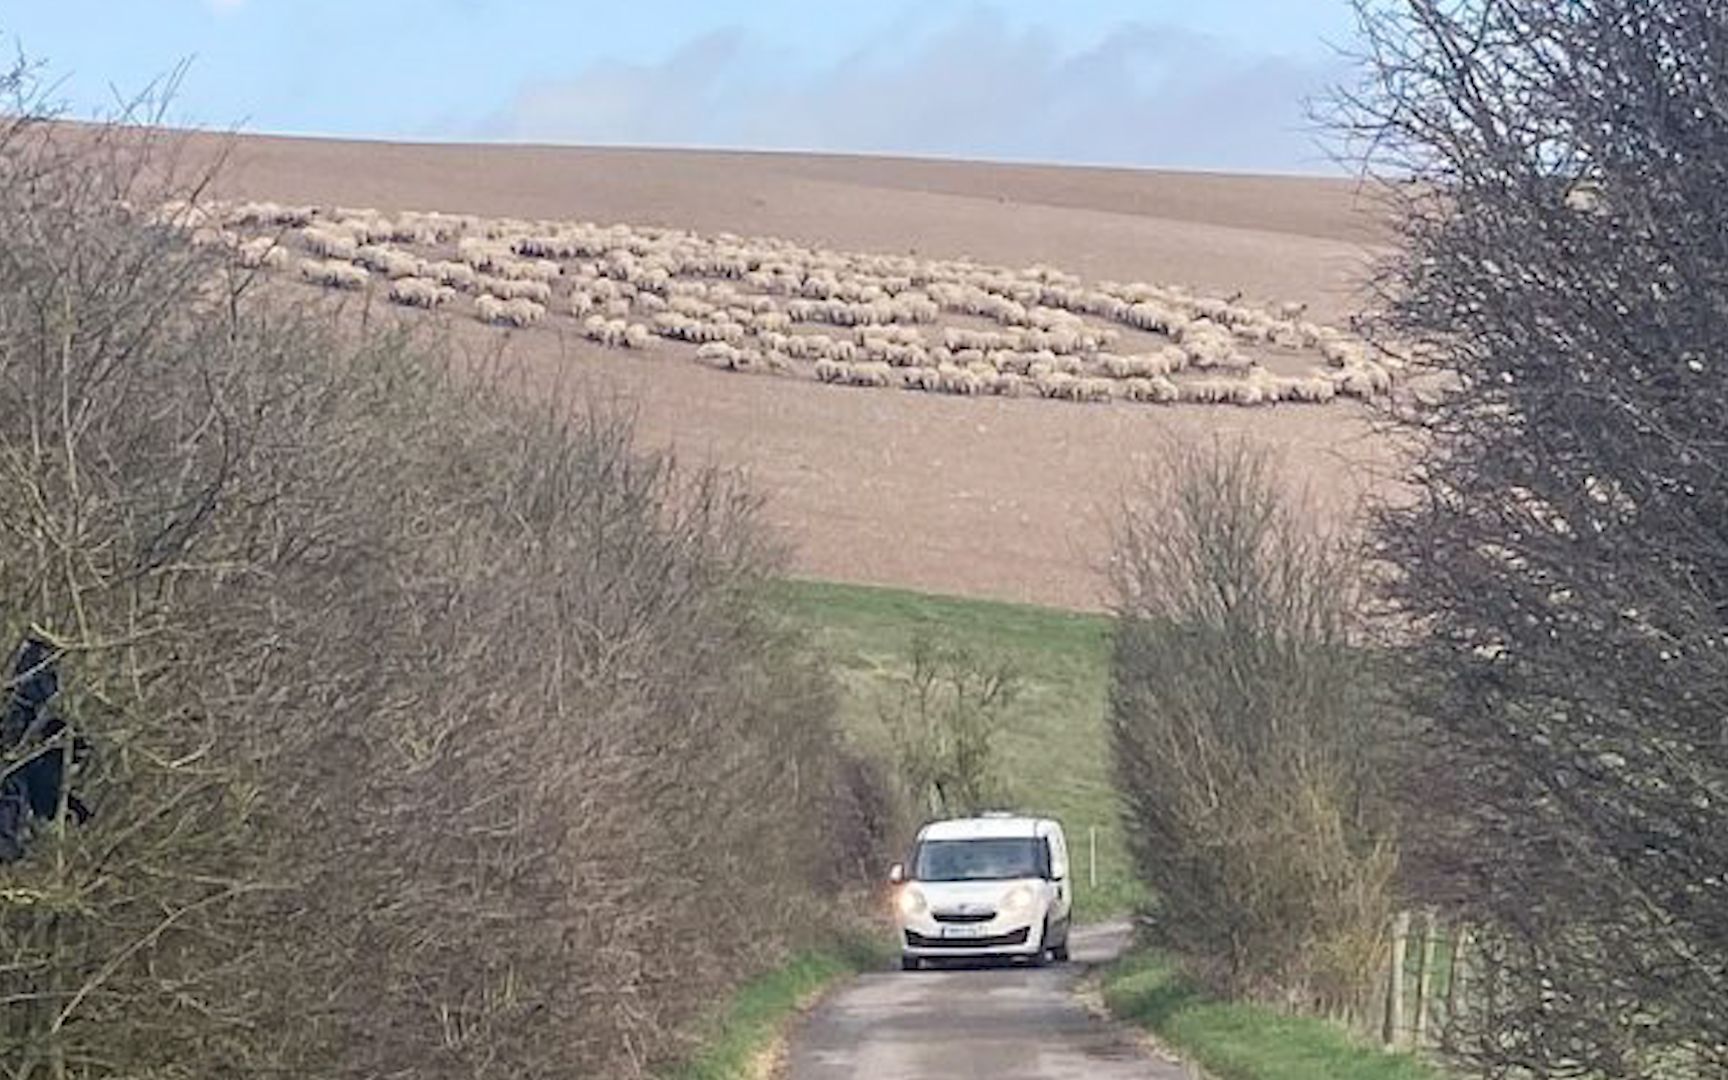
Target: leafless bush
{"type": "Point", "coordinates": [1244, 724]}
{"type": "Point", "coordinates": [434, 734]}
{"type": "Point", "coordinates": [869, 819]}
{"type": "Point", "coordinates": [1558, 173]}
{"type": "Point", "coordinates": [943, 716]}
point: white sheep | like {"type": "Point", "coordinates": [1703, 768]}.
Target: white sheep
{"type": "Point", "coordinates": [1365, 379]}
{"type": "Point", "coordinates": [368, 227]}
{"type": "Point", "coordinates": [1248, 392]}
{"type": "Point", "coordinates": [915, 309]}
{"type": "Point", "coordinates": [253, 213]}
{"type": "Point", "coordinates": [1125, 367]}
{"type": "Point", "coordinates": [1205, 391]}
{"type": "Point", "coordinates": [1209, 345]}
{"type": "Point", "coordinates": [1341, 351]}
{"type": "Point", "coordinates": [529, 270]}
{"type": "Point", "coordinates": [728, 357]}
{"type": "Point", "coordinates": [606, 331]}
{"type": "Point", "coordinates": [420, 292]}
{"type": "Point", "coordinates": [697, 331]}
{"type": "Point", "coordinates": [1314, 389]}
{"type": "Point", "coordinates": [455, 274]}
{"type": "Point", "coordinates": [547, 247]}
{"type": "Point", "coordinates": [871, 373]}
{"type": "Point", "coordinates": [481, 253]}
{"type": "Point", "coordinates": [921, 378]}
{"type": "Point", "coordinates": [1092, 389]}
{"type": "Point", "coordinates": [514, 312]}
{"type": "Point", "coordinates": [1056, 384]}
{"type": "Point", "coordinates": [1156, 389]}
{"type": "Point", "coordinates": [899, 335]}
{"type": "Point", "coordinates": [331, 243]}
{"type": "Point", "coordinates": [958, 380]}
{"type": "Point", "coordinates": [262, 253]}
{"type": "Point", "coordinates": [429, 228]}
{"type": "Point", "coordinates": [334, 273]}
{"type": "Point", "coordinates": [510, 289]}
{"type": "Point", "coordinates": [389, 262]}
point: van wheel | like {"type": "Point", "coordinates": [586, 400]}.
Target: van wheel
{"type": "Point", "coordinates": [1041, 958]}
{"type": "Point", "coordinates": [1060, 953]}
{"type": "Point", "coordinates": [910, 963]}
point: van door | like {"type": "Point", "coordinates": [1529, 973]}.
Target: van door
{"type": "Point", "coordinates": [1061, 871]}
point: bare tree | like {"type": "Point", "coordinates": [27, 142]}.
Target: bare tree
{"type": "Point", "coordinates": [1245, 729]}
{"type": "Point", "coordinates": [1557, 173]}
{"type": "Point", "coordinates": [943, 717]}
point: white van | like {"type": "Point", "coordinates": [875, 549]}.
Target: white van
{"type": "Point", "coordinates": [995, 885]}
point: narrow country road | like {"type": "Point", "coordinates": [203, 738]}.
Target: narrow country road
{"type": "Point", "coordinates": [1003, 1023]}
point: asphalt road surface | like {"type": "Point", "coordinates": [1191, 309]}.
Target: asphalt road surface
{"type": "Point", "coordinates": [992, 1023]}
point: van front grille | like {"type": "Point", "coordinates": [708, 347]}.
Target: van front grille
{"type": "Point", "coordinates": [915, 940]}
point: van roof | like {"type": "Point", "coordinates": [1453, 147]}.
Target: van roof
{"type": "Point", "coordinates": [989, 826]}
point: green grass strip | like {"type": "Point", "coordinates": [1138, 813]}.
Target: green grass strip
{"type": "Point", "coordinates": [1053, 750]}
{"type": "Point", "coordinates": [762, 1008]}
{"type": "Point", "coordinates": [1244, 1042]}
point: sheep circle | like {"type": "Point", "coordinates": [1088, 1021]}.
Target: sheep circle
{"type": "Point", "coordinates": [776, 307]}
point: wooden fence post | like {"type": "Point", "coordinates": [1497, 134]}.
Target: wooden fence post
{"type": "Point", "coordinates": [1455, 988]}
{"type": "Point", "coordinates": [1393, 1028]}
{"type": "Point", "coordinates": [1425, 976]}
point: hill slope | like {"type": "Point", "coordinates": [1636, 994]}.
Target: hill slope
{"type": "Point", "coordinates": [1004, 498]}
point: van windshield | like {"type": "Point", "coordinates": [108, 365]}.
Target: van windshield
{"type": "Point", "coordinates": [997, 859]}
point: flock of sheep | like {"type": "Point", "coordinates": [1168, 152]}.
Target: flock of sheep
{"type": "Point", "coordinates": [764, 305]}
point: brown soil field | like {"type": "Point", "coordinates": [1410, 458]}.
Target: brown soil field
{"type": "Point", "coordinates": [1006, 498]}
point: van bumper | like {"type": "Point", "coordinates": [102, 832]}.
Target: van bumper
{"type": "Point", "coordinates": [1021, 941]}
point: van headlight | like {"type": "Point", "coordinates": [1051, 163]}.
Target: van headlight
{"type": "Point", "coordinates": [911, 902]}
{"type": "Point", "coordinates": [1018, 900]}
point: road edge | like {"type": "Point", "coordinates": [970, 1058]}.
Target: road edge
{"type": "Point", "coordinates": [1089, 991]}
{"type": "Point", "coordinates": [1241, 1040]}
{"type": "Point", "coordinates": [748, 1040]}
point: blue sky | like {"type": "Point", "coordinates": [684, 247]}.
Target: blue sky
{"type": "Point", "coordinates": [1195, 84]}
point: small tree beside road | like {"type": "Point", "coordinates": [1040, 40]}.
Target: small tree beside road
{"type": "Point", "coordinates": [943, 717]}
{"type": "Point", "coordinates": [1244, 725]}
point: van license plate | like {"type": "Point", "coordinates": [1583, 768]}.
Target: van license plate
{"type": "Point", "coordinates": [962, 931]}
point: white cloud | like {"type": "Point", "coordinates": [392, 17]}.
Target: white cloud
{"type": "Point", "coordinates": [1140, 94]}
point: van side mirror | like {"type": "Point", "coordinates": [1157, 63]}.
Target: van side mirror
{"type": "Point", "coordinates": [897, 874]}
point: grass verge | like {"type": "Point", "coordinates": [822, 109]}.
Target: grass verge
{"type": "Point", "coordinates": [757, 1016]}
{"type": "Point", "coordinates": [1053, 748]}
{"type": "Point", "coordinates": [1243, 1042]}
